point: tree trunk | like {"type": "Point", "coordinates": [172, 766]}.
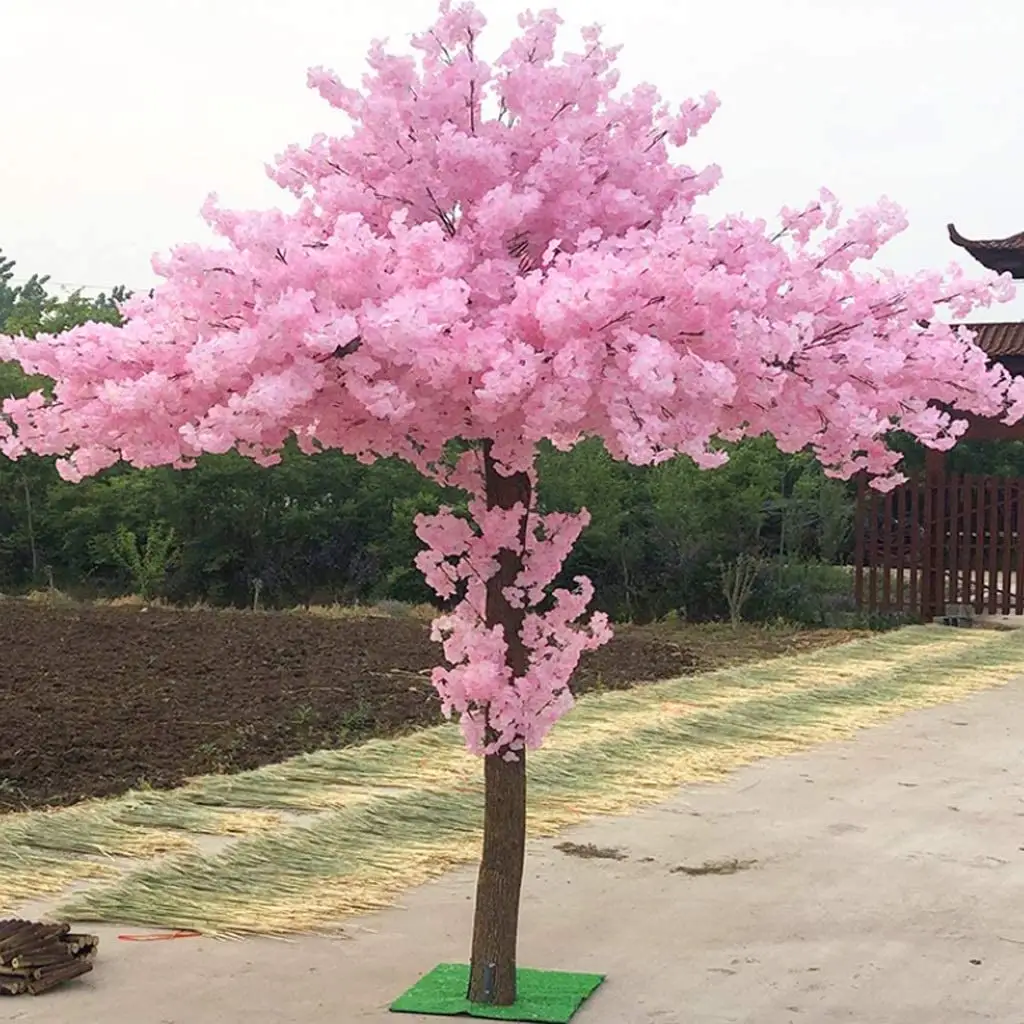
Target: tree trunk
{"type": "Point", "coordinates": [492, 976]}
{"type": "Point", "coordinates": [31, 526]}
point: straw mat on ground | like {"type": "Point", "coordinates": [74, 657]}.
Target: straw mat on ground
{"type": "Point", "coordinates": [146, 824]}
{"type": "Point", "coordinates": [34, 847]}
{"type": "Point", "coordinates": [396, 813]}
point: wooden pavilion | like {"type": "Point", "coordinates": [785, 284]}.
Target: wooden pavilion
{"type": "Point", "coordinates": [944, 539]}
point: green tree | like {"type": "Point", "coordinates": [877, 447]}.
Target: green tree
{"type": "Point", "coordinates": [30, 309]}
{"type": "Point", "coordinates": [147, 563]}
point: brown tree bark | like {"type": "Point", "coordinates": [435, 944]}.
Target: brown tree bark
{"type": "Point", "coordinates": [492, 977]}
{"type": "Point", "coordinates": [31, 527]}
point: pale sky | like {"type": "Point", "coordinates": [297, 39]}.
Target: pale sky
{"type": "Point", "coordinates": [121, 115]}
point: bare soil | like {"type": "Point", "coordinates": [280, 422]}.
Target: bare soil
{"type": "Point", "coordinates": [99, 699]}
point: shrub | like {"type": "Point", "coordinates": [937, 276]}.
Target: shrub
{"type": "Point", "coordinates": [811, 594]}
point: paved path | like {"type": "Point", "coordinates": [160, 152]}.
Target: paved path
{"type": "Point", "coordinates": [888, 887]}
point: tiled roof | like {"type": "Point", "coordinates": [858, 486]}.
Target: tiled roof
{"type": "Point", "coordinates": [999, 254]}
{"type": "Point", "coordinates": [999, 339]}
{"type": "Point", "coordinates": [1013, 242]}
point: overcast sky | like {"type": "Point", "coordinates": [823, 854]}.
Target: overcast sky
{"type": "Point", "coordinates": [121, 115]}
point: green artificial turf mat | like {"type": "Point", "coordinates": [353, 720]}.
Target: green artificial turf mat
{"type": "Point", "coordinates": [549, 997]}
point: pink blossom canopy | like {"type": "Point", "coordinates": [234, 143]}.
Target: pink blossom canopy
{"type": "Point", "coordinates": [511, 252]}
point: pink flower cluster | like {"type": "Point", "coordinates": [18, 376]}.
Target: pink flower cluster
{"type": "Point", "coordinates": [517, 711]}
{"type": "Point", "coordinates": [511, 251]}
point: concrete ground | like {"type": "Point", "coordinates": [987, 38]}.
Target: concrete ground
{"type": "Point", "coordinates": [888, 886]}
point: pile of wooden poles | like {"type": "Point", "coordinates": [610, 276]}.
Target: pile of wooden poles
{"type": "Point", "coordinates": [35, 957]}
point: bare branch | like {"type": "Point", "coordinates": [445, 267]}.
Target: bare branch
{"type": "Point", "coordinates": [620, 319]}
{"type": "Point", "coordinates": [446, 221]}
{"type": "Point", "coordinates": [658, 137]}
{"type": "Point", "coordinates": [824, 259]}
{"type": "Point", "coordinates": [348, 348]}
{"type": "Point", "coordinates": [446, 56]}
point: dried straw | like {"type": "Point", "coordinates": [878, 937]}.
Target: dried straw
{"type": "Point", "coordinates": [136, 826]}
{"type": "Point", "coordinates": [616, 752]}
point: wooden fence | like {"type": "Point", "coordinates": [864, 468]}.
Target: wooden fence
{"type": "Point", "coordinates": [939, 540]}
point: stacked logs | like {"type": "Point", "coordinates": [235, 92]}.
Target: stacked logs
{"type": "Point", "coordinates": [35, 957]}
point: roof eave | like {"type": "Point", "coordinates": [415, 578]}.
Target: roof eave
{"type": "Point", "coordinates": [1003, 255]}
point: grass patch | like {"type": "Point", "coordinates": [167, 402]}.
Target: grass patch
{"type": "Point", "coordinates": [385, 609]}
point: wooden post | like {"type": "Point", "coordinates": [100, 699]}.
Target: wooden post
{"type": "Point", "coordinates": [1005, 541]}
{"type": "Point", "coordinates": [902, 495]}
{"type": "Point", "coordinates": [953, 488]}
{"type": "Point", "coordinates": [859, 526]}
{"type": "Point", "coordinates": [1018, 553]}
{"type": "Point", "coordinates": [928, 550]}
{"type": "Point", "coordinates": [492, 976]}
{"type": "Point", "coordinates": [934, 595]}
{"type": "Point", "coordinates": [979, 550]}
{"type": "Point", "coordinates": [941, 513]}
{"type": "Point", "coordinates": [888, 534]}
{"type": "Point", "coordinates": [967, 541]}
{"type": "Point", "coordinates": [993, 545]}
{"type": "Point", "coordinates": [873, 552]}
{"type": "Point", "coordinates": [915, 544]}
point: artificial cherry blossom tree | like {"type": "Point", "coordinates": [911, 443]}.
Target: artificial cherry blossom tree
{"type": "Point", "coordinates": [496, 254]}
